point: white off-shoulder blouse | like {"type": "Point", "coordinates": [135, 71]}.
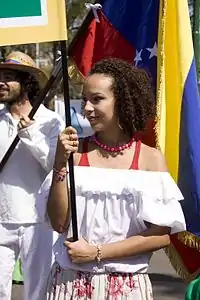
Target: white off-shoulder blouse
{"type": "Point", "coordinates": [113, 205]}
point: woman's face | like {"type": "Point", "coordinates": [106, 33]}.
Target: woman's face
{"type": "Point", "coordinates": [99, 102]}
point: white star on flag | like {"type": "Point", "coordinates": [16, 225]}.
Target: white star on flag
{"type": "Point", "coordinates": [153, 51]}
{"type": "Point", "coordinates": [138, 56]}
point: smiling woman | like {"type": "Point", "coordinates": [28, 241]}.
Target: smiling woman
{"type": "Point", "coordinates": [131, 101]}
{"type": "Point", "coordinates": [127, 203]}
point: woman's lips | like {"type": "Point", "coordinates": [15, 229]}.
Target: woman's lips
{"type": "Point", "coordinates": [93, 119]}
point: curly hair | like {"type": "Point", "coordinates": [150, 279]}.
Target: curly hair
{"type": "Point", "coordinates": [133, 92]}
{"type": "Point", "coordinates": [29, 86]}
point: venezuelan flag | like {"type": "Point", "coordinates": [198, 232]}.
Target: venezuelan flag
{"type": "Point", "coordinates": [179, 127]}
{"type": "Point", "coordinates": [156, 35]}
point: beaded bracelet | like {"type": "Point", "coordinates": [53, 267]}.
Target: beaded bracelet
{"type": "Point", "coordinates": [99, 254]}
{"type": "Point", "coordinates": [60, 175]}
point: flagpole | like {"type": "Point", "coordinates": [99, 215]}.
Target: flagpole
{"type": "Point", "coordinates": [82, 30]}
{"type": "Point", "coordinates": [63, 49]}
{"type": "Point", "coordinates": [37, 51]}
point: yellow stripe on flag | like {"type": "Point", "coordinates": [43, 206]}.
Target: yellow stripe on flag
{"type": "Point", "coordinates": [175, 40]}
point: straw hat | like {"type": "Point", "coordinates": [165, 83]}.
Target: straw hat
{"type": "Point", "coordinates": [20, 61]}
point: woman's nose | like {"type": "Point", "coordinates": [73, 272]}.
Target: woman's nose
{"type": "Point", "coordinates": [88, 106]}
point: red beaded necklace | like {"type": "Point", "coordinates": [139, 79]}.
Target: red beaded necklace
{"type": "Point", "coordinates": [112, 149]}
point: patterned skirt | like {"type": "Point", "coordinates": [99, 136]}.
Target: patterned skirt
{"type": "Point", "coordinates": [69, 284]}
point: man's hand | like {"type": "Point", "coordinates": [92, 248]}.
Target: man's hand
{"type": "Point", "coordinates": [24, 122]}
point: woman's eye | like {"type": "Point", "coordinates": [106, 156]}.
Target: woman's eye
{"type": "Point", "coordinates": [98, 98]}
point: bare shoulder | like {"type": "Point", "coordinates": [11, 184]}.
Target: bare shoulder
{"type": "Point", "coordinates": [153, 159]}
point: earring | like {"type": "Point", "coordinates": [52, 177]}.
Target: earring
{"type": "Point", "coordinates": [118, 123]}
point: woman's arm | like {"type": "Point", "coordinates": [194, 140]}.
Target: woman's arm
{"type": "Point", "coordinates": [152, 239]}
{"type": "Point", "coordinates": [58, 205]}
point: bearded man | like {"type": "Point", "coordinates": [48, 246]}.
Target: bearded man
{"type": "Point", "coordinates": [22, 228]}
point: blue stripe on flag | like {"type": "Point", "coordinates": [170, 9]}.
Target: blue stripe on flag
{"type": "Point", "coordinates": [189, 159]}
{"type": "Point", "coordinates": [136, 20]}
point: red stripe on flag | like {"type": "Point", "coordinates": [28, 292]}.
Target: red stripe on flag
{"type": "Point", "coordinates": [101, 40]}
{"type": "Point", "coordinates": [190, 256]}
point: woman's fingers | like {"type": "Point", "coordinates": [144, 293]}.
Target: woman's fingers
{"type": "Point", "coordinates": [69, 137]}
{"type": "Point", "coordinates": [67, 143]}
{"type": "Point", "coordinates": [70, 130]}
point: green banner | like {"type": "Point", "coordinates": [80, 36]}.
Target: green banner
{"type": "Point", "coordinates": [20, 8]}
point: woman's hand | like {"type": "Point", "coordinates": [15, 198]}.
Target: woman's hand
{"type": "Point", "coordinates": [67, 143]}
{"type": "Point", "coordinates": [81, 251]}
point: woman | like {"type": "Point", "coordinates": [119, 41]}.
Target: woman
{"type": "Point", "coordinates": [127, 203]}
